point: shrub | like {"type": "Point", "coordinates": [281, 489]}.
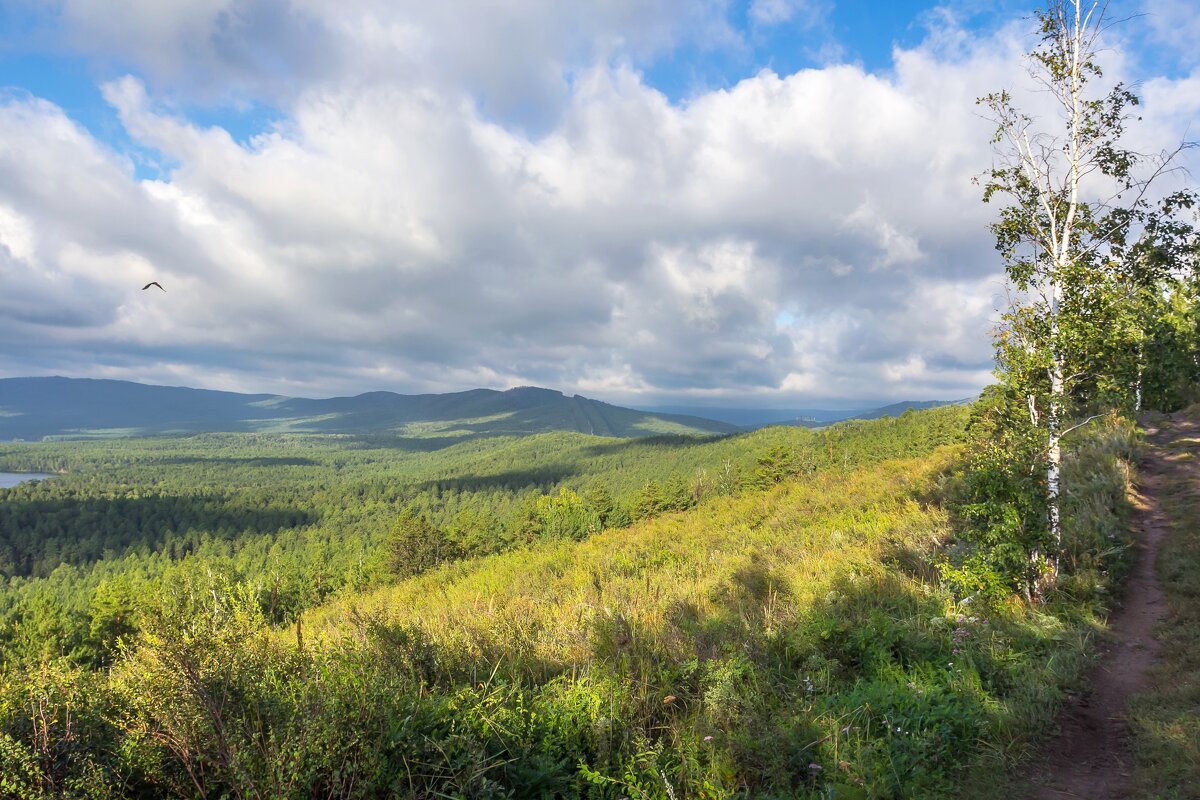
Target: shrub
{"type": "Point", "coordinates": [416, 545]}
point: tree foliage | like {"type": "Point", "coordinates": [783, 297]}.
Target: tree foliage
{"type": "Point", "coordinates": [1101, 264]}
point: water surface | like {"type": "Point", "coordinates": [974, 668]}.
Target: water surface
{"type": "Point", "coordinates": [10, 479]}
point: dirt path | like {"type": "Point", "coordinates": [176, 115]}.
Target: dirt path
{"type": "Point", "coordinates": [1091, 757]}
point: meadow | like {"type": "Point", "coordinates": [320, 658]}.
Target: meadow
{"type": "Point", "coordinates": [307, 516]}
{"type": "Point", "coordinates": [763, 615]}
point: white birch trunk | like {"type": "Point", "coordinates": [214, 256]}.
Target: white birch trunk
{"type": "Point", "coordinates": [1054, 230]}
{"type": "Point", "coordinates": [1063, 258]}
{"type": "Point", "coordinates": [1054, 428]}
{"type": "Point", "coordinates": [1137, 385]}
{"type": "Point", "coordinates": [1034, 555]}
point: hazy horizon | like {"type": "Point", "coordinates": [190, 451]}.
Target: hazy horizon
{"type": "Point", "coordinates": [680, 407]}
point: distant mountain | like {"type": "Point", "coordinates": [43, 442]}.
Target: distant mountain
{"type": "Point", "coordinates": [896, 409]}
{"type": "Point", "coordinates": [35, 408]}
{"type": "Point", "coordinates": [750, 418]}
{"type": "Point", "coordinates": [759, 417]}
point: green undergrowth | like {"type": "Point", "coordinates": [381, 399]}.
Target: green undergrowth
{"type": "Point", "coordinates": [308, 517]}
{"type": "Point", "coordinates": [796, 641]}
{"type": "Point", "coordinates": [1166, 718]}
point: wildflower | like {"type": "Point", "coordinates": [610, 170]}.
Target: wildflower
{"type": "Point", "coordinates": [815, 767]}
{"type": "Point", "coordinates": [708, 738]}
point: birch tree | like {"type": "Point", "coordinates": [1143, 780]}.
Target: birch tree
{"type": "Point", "coordinates": [1079, 230]}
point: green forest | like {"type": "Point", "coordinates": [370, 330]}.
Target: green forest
{"type": "Point", "coordinates": [890, 609]}
{"type": "Point", "coordinates": [304, 517]}
{"type": "Point", "coordinates": [206, 615]}
{"type": "Point", "coordinates": [789, 612]}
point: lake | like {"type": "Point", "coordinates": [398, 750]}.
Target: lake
{"type": "Point", "coordinates": [10, 479]}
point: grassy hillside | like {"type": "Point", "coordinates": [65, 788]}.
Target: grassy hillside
{"type": "Point", "coordinates": [727, 563]}
{"type": "Point", "coordinates": [750, 418]}
{"type": "Point", "coordinates": [786, 635]}
{"type": "Point", "coordinates": [896, 409]}
{"type": "Point", "coordinates": [307, 516]}
{"type": "Point", "coordinates": [36, 408]}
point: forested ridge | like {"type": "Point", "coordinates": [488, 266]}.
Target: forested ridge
{"type": "Point", "coordinates": [71, 408]}
{"type": "Point", "coordinates": [308, 516]}
{"type": "Point", "coordinates": [768, 613]}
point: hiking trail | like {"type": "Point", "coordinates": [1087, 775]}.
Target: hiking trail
{"type": "Point", "coordinates": [1091, 756]}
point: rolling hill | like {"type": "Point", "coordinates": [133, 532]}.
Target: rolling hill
{"type": "Point", "coordinates": [770, 614]}
{"type": "Point", "coordinates": [752, 418]}
{"type": "Point", "coordinates": [75, 408]}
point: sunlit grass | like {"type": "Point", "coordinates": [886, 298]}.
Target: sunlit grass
{"type": "Point", "coordinates": [449, 428]}
{"type": "Point", "coordinates": [95, 433]}
{"type": "Point", "coordinates": [807, 616]}
{"type": "Point", "coordinates": [653, 426]}
{"type": "Point", "coordinates": [289, 424]}
{"type": "Point", "coordinates": [793, 541]}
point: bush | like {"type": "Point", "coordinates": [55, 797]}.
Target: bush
{"type": "Point", "coordinates": [566, 516]}
{"type": "Point", "coordinates": [416, 545]}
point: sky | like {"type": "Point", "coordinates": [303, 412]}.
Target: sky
{"type": "Point", "coordinates": [697, 202]}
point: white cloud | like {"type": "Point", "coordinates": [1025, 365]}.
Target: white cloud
{"type": "Point", "coordinates": [775, 12]}
{"type": "Point", "coordinates": [814, 233]}
{"type": "Point", "coordinates": [1175, 24]}
{"type": "Point", "coordinates": [16, 235]}
{"type": "Point", "coordinates": [895, 246]}
{"type": "Point", "coordinates": [514, 57]}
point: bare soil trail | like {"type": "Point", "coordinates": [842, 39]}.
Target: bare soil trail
{"type": "Point", "coordinates": [1091, 756]}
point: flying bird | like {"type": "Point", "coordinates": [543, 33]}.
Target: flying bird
{"type": "Point", "coordinates": [152, 283]}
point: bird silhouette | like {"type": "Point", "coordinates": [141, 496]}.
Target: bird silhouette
{"type": "Point", "coordinates": [152, 283]}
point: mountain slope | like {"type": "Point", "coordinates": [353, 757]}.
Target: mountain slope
{"type": "Point", "coordinates": [753, 418]}
{"type": "Point", "coordinates": [750, 418]}
{"type": "Point", "coordinates": [896, 409]}
{"type": "Point", "coordinates": [35, 408]}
